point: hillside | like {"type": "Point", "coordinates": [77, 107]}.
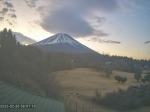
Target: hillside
{"type": "Point", "coordinates": [22, 39]}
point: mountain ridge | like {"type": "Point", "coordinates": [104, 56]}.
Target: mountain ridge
{"type": "Point", "coordinates": [22, 39]}
{"type": "Point", "coordinates": [62, 42]}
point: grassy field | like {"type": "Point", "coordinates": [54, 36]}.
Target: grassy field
{"type": "Point", "coordinates": [80, 84]}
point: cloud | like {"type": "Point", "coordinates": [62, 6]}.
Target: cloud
{"type": "Point", "coordinates": [9, 5]}
{"type": "Point", "coordinates": [10, 23]}
{"type": "Point", "coordinates": [31, 3]}
{"type": "Point", "coordinates": [100, 33]}
{"type": "Point", "coordinates": [4, 11]}
{"type": "Point", "coordinates": [1, 18]}
{"type": "Point", "coordinates": [12, 10]}
{"type": "Point", "coordinates": [7, 12]}
{"type": "Point", "coordinates": [66, 21]}
{"type": "Point", "coordinates": [104, 41]}
{"type": "Point", "coordinates": [39, 9]}
{"type": "Point", "coordinates": [100, 5]}
{"type": "Point", "coordinates": [100, 20]}
{"type": "Point", "coordinates": [36, 21]}
{"type": "Point", "coordinates": [13, 15]}
{"type": "Point", "coordinates": [84, 6]}
{"type": "Point", "coordinates": [147, 42]}
{"type": "Point", "coordinates": [70, 16]}
{"type": "Point", "coordinates": [111, 42]}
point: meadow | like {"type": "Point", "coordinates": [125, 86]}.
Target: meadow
{"type": "Point", "coordinates": [79, 86]}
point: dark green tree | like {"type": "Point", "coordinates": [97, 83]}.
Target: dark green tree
{"type": "Point", "coordinates": [138, 73]}
{"type": "Point", "coordinates": [147, 77]}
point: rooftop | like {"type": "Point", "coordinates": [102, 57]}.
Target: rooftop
{"type": "Point", "coordinates": [14, 99]}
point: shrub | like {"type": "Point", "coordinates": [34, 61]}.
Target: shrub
{"type": "Point", "coordinates": [147, 77]}
{"type": "Point", "coordinates": [121, 79]}
{"type": "Point", "coordinates": [143, 80]}
{"type": "Point", "coordinates": [132, 98]}
{"type": "Point", "coordinates": [118, 78]}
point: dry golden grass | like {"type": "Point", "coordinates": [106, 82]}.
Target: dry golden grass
{"type": "Point", "coordinates": [85, 81]}
{"type": "Point", "coordinates": [80, 84]}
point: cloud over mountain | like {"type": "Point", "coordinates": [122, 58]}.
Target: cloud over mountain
{"type": "Point", "coordinates": [70, 16]}
{"type": "Point", "coordinates": [147, 42]}
{"type": "Point", "coordinates": [99, 40]}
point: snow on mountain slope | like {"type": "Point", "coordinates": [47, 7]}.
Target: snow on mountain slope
{"type": "Point", "coordinates": [62, 43]}
{"type": "Point", "coordinates": [59, 38]}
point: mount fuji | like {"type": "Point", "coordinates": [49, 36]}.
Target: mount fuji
{"type": "Point", "coordinates": [62, 43]}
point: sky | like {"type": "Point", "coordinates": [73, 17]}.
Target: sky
{"type": "Point", "coordinates": [114, 27]}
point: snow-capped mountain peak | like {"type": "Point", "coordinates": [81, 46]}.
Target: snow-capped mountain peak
{"type": "Point", "coordinates": [59, 38]}
{"type": "Point", "coordinates": [62, 43]}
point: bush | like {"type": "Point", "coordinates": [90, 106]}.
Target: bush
{"type": "Point", "coordinates": [121, 79]}
{"type": "Point", "coordinates": [132, 98]}
{"type": "Point", "coordinates": [143, 80]}
{"type": "Point", "coordinates": [147, 77]}
{"type": "Point", "coordinates": [138, 73]}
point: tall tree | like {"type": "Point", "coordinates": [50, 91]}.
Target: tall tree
{"type": "Point", "coordinates": [138, 73]}
{"type": "Point", "coordinates": [7, 40]}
